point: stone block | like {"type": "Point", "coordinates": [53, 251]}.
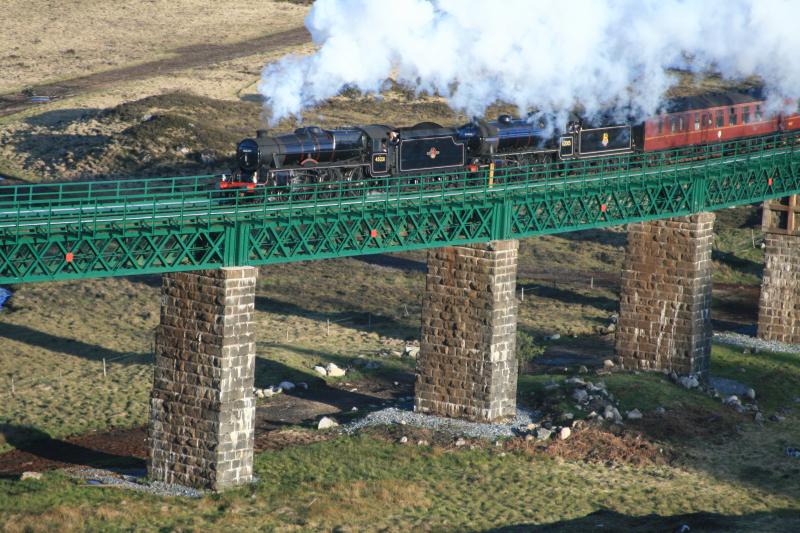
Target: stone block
{"type": "Point", "coordinates": [467, 365]}
{"type": "Point", "coordinates": [665, 297]}
{"type": "Point", "coordinates": [202, 409]}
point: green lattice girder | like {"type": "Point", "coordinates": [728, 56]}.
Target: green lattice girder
{"type": "Point", "coordinates": [114, 229]}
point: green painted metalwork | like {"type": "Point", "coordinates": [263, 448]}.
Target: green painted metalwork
{"type": "Point", "coordinates": [84, 230]}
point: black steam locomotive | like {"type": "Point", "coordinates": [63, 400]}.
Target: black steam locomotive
{"type": "Point", "coordinates": [314, 155]}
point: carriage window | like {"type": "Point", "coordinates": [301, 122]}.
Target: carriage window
{"type": "Point", "coordinates": [681, 124]}
{"type": "Point", "coordinates": [746, 115]}
{"type": "Point", "coordinates": [720, 119]}
{"type": "Point", "coordinates": [660, 126]}
{"type": "Point", "coordinates": [673, 124]}
{"type": "Point", "coordinates": [697, 121]}
{"type": "Point", "coordinates": [710, 120]}
{"type": "Point", "coordinates": [759, 116]}
{"type": "Point", "coordinates": [732, 119]}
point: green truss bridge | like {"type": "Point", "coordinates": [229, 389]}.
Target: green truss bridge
{"type": "Point", "coordinates": [94, 229]}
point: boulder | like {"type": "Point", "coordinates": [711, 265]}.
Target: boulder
{"type": "Point", "coordinates": [688, 382]}
{"type": "Point", "coordinates": [31, 475]}
{"type": "Point", "coordinates": [286, 386]}
{"type": "Point", "coordinates": [750, 394]}
{"type": "Point", "coordinates": [564, 433]}
{"type": "Point", "coordinates": [543, 433]}
{"type": "Point", "coordinates": [334, 371]}
{"type": "Point", "coordinates": [320, 370]}
{"type": "Point", "coordinates": [580, 395]}
{"type": "Point", "coordinates": [326, 423]}
{"type": "Point", "coordinates": [634, 415]}
{"type": "Point", "coordinates": [608, 364]}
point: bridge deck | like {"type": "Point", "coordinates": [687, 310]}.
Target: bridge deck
{"type": "Point", "coordinates": [94, 229]}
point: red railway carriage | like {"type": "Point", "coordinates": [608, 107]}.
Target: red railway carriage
{"type": "Point", "coordinates": [713, 118]}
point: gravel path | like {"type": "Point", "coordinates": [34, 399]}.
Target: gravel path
{"type": "Point", "coordinates": [106, 478]}
{"type": "Point", "coordinates": [393, 415]}
{"type": "Point", "coordinates": [746, 341]}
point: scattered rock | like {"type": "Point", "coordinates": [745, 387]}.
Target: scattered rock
{"type": "Point", "coordinates": [575, 382]}
{"type": "Point", "coordinates": [608, 364]}
{"type": "Point", "coordinates": [543, 433]}
{"type": "Point", "coordinates": [259, 393]}
{"type": "Point", "coordinates": [403, 439]}
{"type": "Point", "coordinates": [634, 415]}
{"type": "Point", "coordinates": [750, 394]}
{"type": "Point", "coordinates": [354, 409]}
{"type": "Point", "coordinates": [732, 400]}
{"type": "Point", "coordinates": [422, 443]}
{"type": "Point", "coordinates": [659, 410]}
{"type": "Point", "coordinates": [758, 418]}
{"type": "Point", "coordinates": [566, 417]}
{"type": "Point", "coordinates": [334, 371]}
{"type": "Point", "coordinates": [688, 382]}
{"type": "Point", "coordinates": [303, 385]}
{"type": "Point", "coordinates": [580, 395]}
{"type": "Point", "coordinates": [320, 370]}
{"type": "Point", "coordinates": [412, 351]}
{"type": "Point", "coordinates": [286, 385]}
{"type": "Point", "coordinates": [673, 376]}
{"type": "Point", "coordinates": [372, 365]}
{"type": "Point", "coordinates": [460, 442]}
{"type": "Point", "coordinates": [583, 370]}
{"type": "Point", "coordinates": [551, 386]}
{"type": "Point", "coordinates": [777, 418]}
{"type": "Point", "coordinates": [326, 423]}
{"type": "Point", "coordinates": [612, 413]}
{"type": "Point", "coordinates": [553, 337]}
{"type": "Point", "coordinates": [564, 433]}
{"type": "Point", "coordinates": [31, 475]}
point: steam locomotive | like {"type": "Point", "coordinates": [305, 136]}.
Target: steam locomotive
{"type": "Point", "coordinates": [314, 155]}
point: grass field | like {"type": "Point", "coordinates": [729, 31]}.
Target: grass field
{"type": "Point", "coordinates": [729, 477]}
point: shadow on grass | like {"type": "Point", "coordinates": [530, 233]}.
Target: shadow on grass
{"type": "Point", "coordinates": [37, 450]}
{"type": "Point", "coordinates": [69, 346]}
{"type": "Point", "coordinates": [738, 263]}
{"type": "Point", "coordinates": [393, 261]}
{"type": "Point", "coordinates": [386, 326]}
{"type": "Point", "coordinates": [569, 296]}
{"type": "Point", "coordinates": [605, 520]}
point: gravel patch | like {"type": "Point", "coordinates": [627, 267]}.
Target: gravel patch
{"type": "Point", "coordinates": [394, 415]}
{"type": "Point", "coordinates": [107, 478]}
{"type": "Point", "coordinates": [747, 341]}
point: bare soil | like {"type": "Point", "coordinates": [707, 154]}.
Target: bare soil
{"type": "Point", "coordinates": [184, 58]}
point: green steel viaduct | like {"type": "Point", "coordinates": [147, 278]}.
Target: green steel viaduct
{"type": "Point", "coordinates": [207, 242]}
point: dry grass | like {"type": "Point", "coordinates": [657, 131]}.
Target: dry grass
{"type": "Point", "coordinates": [45, 40]}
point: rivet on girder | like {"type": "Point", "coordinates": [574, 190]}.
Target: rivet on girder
{"type": "Point", "coordinates": [769, 182]}
{"type": "Point", "coordinates": [69, 257]}
{"type": "Point", "coordinates": [373, 233]}
{"type": "Point", "coordinates": [603, 208]}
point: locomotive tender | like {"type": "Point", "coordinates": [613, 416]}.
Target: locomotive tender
{"type": "Point", "coordinates": [314, 155]}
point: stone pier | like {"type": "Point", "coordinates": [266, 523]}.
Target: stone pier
{"type": "Point", "coordinates": [779, 304]}
{"type": "Point", "coordinates": [467, 365]}
{"type": "Point", "coordinates": [202, 407]}
{"type": "Point", "coordinates": [665, 297]}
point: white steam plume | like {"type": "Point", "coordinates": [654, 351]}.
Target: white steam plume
{"type": "Point", "coordinates": [548, 55]}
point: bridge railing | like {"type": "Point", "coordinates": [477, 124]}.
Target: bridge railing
{"type": "Point", "coordinates": [180, 200]}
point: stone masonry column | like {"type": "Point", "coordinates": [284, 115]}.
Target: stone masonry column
{"type": "Point", "coordinates": [202, 407]}
{"type": "Point", "coordinates": [665, 297]}
{"type": "Point", "coordinates": [467, 364]}
{"type": "Point", "coordinates": [779, 304]}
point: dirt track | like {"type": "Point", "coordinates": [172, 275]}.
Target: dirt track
{"type": "Point", "coordinates": [188, 57]}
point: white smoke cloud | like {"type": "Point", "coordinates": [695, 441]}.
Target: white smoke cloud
{"type": "Point", "coordinates": [548, 55]}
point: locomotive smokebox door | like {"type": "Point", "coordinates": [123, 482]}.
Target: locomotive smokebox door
{"type": "Point", "coordinates": [566, 147]}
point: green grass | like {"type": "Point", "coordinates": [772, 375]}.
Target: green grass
{"type": "Point", "coordinates": [366, 484]}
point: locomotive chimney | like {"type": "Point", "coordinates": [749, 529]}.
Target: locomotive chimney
{"type": "Point", "coordinates": [260, 134]}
